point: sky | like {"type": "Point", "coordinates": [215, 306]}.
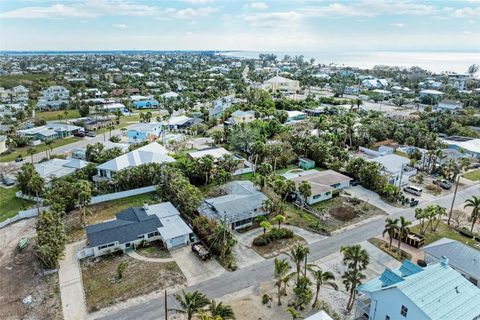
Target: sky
{"type": "Point", "coordinates": [295, 25]}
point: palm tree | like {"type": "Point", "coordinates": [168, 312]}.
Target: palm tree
{"type": "Point", "coordinates": [191, 303]}
{"type": "Point", "coordinates": [36, 185]}
{"type": "Point", "coordinates": [355, 257]}
{"type": "Point", "coordinates": [293, 313]}
{"type": "Point", "coordinates": [222, 311]}
{"type": "Point", "coordinates": [49, 145]}
{"type": "Point", "coordinates": [391, 226]}
{"type": "Point", "coordinates": [206, 164]}
{"type": "Point", "coordinates": [474, 202]}
{"type": "Point", "coordinates": [351, 280]}
{"type": "Point", "coordinates": [305, 190]}
{"type": "Point", "coordinates": [84, 196]}
{"type": "Point", "coordinates": [298, 255]}
{"type": "Point", "coordinates": [322, 278]}
{"type": "Point", "coordinates": [404, 230]}
{"type": "Point", "coordinates": [278, 219]}
{"type": "Point", "coordinates": [266, 226]}
{"type": "Point", "coordinates": [281, 269]}
{"type": "Point", "coordinates": [31, 152]}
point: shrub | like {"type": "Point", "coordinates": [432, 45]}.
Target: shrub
{"type": "Point", "coordinates": [465, 232]}
{"type": "Point", "coordinates": [266, 298]}
{"type": "Point", "coordinates": [421, 263]}
{"type": "Point", "coordinates": [433, 187]}
{"type": "Point", "coordinates": [272, 235]}
{"type": "Point", "coordinates": [477, 237]}
{"type": "Point", "coordinates": [354, 201]}
{"type": "Point", "coordinates": [262, 240]}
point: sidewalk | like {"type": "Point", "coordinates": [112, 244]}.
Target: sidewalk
{"type": "Point", "coordinates": [70, 280]}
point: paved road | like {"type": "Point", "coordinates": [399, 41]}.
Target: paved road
{"type": "Point", "coordinates": [253, 275]}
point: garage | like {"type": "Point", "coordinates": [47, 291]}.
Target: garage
{"type": "Point", "coordinates": [177, 242]}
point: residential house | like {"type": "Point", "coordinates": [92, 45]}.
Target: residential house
{"type": "Point", "coordinates": [323, 183]}
{"type": "Point", "coordinates": [18, 94]}
{"type": "Point", "coordinates": [81, 153]}
{"type": "Point", "coordinates": [55, 97]}
{"type": "Point", "coordinates": [241, 204]}
{"type": "Point", "coordinates": [146, 104]}
{"type": "Point", "coordinates": [135, 225]}
{"type": "Point", "coordinates": [321, 315]}
{"type": "Point", "coordinates": [459, 81]}
{"type": "Point", "coordinates": [182, 122]}
{"type": "Point", "coordinates": [462, 258]}
{"type": "Point", "coordinates": [466, 145]}
{"type": "Point", "coordinates": [396, 168]}
{"type": "Point", "coordinates": [278, 83]}
{"type": "Point", "coordinates": [451, 105]}
{"type": "Point", "coordinates": [169, 95]}
{"type": "Point", "coordinates": [434, 94]}
{"type": "Point", "coordinates": [50, 131]}
{"type": "Point", "coordinates": [151, 153]}
{"type": "Point", "coordinates": [295, 116]}
{"type": "Point", "coordinates": [240, 116]}
{"type": "Point", "coordinates": [436, 292]}
{"type": "Point", "coordinates": [57, 168]}
{"type": "Point", "coordinates": [375, 83]}
{"type": "Point", "coordinates": [140, 132]}
{"type": "Point", "coordinates": [243, 166]}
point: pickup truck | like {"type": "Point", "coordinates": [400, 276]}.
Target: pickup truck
{"type": "Point", "coordinates": [444, 184]}
{"type": "Point", "coordinates": [201, 251]}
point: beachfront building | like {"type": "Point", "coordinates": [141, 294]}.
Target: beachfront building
{"type": "Point", "coordinates": [278, 83]}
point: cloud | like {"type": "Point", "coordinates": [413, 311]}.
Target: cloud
{"type": "Point", "coordinates": [197, 2]}
{"type": "Point", "coordinates": [190, 13]}
{"type": "Point", "coordinates": [119, 25]}
{"type": "Point", "coordinates": [257, 5]}
{"type": "Point", "coordinates": [273, 19]}
{"type": "Point", "coordinates": [398, 25]}
{"type": "Point", "coordinates": [86, 9]}
{"type": "Point", "coordinates": [467, 12]}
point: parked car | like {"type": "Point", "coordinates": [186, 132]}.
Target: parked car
{"type": "Point", "coordinates": [201, 251]}
{"type": "Point", "coordinates": [8, 181]}
{"type": "Point", "coordinates": [474, 165]}
{"type": "Point", "coordinates": [79, 134]}
{"type": "Point", "coordinates": [19, 159]}
{"type": "Point", "coordinates": [413, 190]}
{"type": "Point", "coordinates": [444, 184]}
{"type": "Point", "coordinates": [91, 134]}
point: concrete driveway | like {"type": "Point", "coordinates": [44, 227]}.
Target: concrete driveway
{"type": "Point", "coordinates": [372, 198]}
{"type": "Point", "coordinates": [194, 269]}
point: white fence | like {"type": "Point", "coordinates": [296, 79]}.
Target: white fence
{"type": "Point", "coordinates": [25, 214]}
{"type": "Point", "coordinates": [122, 194]}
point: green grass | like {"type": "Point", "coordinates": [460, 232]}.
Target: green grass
{"type": "Point", "coordinates": [444, 231]}
{"type": "Point", "coordinates": [401, 154]}
{"type": "Point", "coordinates": [473, 175]}
{"type": "Point", "coordinates": [53, 115]}
{"type": "Point", "coordinates": [38, 149]}
{"type": "Point", "coordinates": [10, 205]}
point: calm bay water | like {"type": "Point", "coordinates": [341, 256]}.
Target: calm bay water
{"type": "Point", "coordinates": [433, 61]}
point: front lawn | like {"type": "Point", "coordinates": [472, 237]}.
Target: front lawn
{"type": "Point", "coordinates": [53, 115]}
{"type": "Point", "coordinates": [278, 246]}
{"type": "Point", "coordinates": [103, 287]}
{"type": "Point", "coordinates": [154, 249]}
{"type": "Point", "coordinates": [473, 175]}
{"type": "Point", "coordinates": [10, 205]}
{"type": "Point", "coordinates": [444, 231]}
{"type": "Point", "coordinates": [102, 211]}
{"type": "Point", "coordinates": [38, 149]}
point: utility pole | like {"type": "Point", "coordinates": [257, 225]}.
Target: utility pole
{"type": "Point", "coordinates": [453, 200]}
{"type": "Point", "coordinates": [166, 308]}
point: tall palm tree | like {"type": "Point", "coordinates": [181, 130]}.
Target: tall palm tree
{"type": "Point", "coordinates": [298, 255]}
{"type": "Point", "coordinates": [391, 226]}
{"type": "Point", "coordinates": [282, 274]}
{"type": "Point", "coordinates": [305, 190]}
{"type": "Point", "coordinates": [355, 257]}
{"type": "Point", "coordinates": [31, 152]}
{"type": "Point", "coordinates": [322, 278]}
{"type": "Point", "coordinates": [191, 303]}
{"type": "Point", "coordinates": [222, 311]}
{"type": "Point", "coordinates": [49, 146]}
{"type": "Point", "coordinates": [293, 313]}
{"type": "Point", "coordinates": [474, 202]}
{"type": "Point", "coordinates": [351, 280]}
{"type": "Point", "coordinates": [36, 185]}
{"type": "Point", "coordinates": [404, 230]}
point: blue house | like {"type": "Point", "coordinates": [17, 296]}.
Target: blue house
{"type": "Point", "coordinates": [144, 132]}
{"type": "Point", "coordinates": [146, 104]}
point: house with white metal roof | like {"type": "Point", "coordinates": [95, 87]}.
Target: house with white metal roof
{"type": "Point", "coordinates": [57, 168]}
{"type": "Point", "coordinates": [151, 153]}
{"type": "Point", "coordinates": [436, 292]}
{"type": "Point", "coordinates": [278, 83]}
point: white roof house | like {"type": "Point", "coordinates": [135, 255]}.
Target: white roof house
{"type": "Point", "coordinates": [151, 153]}
{"type": "Point", "coordinates": [471, 146]}
{"type": "Point", "coordinates": [281, 83]}
{"type": "Point", "coordinates": [169, 95]}
{"type": "Point", "coordinates": [56, 168]}
{"type": "Point", "coordinates": [216, 153]}
{"type": "Point", "coordinates": [393, 165]}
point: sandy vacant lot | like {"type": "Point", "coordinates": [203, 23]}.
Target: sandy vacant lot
{"type": "Point", "coordinates": [21, 276]}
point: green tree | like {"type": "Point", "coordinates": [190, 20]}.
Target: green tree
{"type": "Point", "coordinates": [266, 226]}
{"type": "Point", "coordinates": [322, 278]}
{"type": "Point", "coordinates": [355, 257]}
{"type": "Point", "coordinates": [293, 313]}
{"type": "Point", "coordinates": [191, 303]}
{"type": "Point", "coordinates": [391, 226]}
{"type": "Point", "coordinates": [352, 279]}
{"type": "Point", "coordinates": [221, 311]}
{"type": "Point", "coordinates": [31, 152]}
{"type": "Point", "coordinates": [279, 218]}
{"type": "Point", "coordinates": [473, 203]}
{"type": "Point", "coordinates": [51, 238]}
{"type": "Point", "coordinates": [121, 269]}
{"type": "Point", "coordinates": [298, 255]}
{"type": "Point", "coordinates": [84, 195]}
{"type": "Point", "coordinates": [404, 230]}
{"type": "Point", "coordinates": [282, 274]}
{"type": "Point", "coordinates": [305, 191]}
{"type": "Point", "coordinates": [303, 292]}
{"type": "Point", "coordinates": [36, 185]}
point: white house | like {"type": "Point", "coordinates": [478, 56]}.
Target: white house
{"type": "Point", "coordinates": [448, 104]}
{"type": "Point", "coordinates": [435, 94]}
{"type": "Point", "coordinates": [323, 183]}
{"type": "Point", "coordinates": [151, 153]}
{"type": "Point", "coordinates": [436, 292]}
{"type": "Point", "coordinates": [57, 168]}
{"type": "Point", "coordinates": [139, 132]}
{"type": "Point", "coordinates": [278, 83]}
{"type": "Point", "coordinates": [463, 258]}
{"type": "Point", "coordinates": [396, 168]}
{"type": "Point", "coordinates": [53, 98]}
{"type": "Point", "coordinates": [134, 225]}
{"type": "Point", "coordinates": [375, 83]}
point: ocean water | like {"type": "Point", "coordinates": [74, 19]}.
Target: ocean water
{"type": "Point", "coordinates": [432, 61]}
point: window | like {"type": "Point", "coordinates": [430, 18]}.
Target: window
{"type": "Point", "coordinates": [140, 237]}
{"type": "Point", "coordinates": [404, 311]}
{"type": "Point", "coordinates": [127, 245]}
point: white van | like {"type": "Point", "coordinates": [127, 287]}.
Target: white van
{"type": "Point", "coordinates": [413, 190]}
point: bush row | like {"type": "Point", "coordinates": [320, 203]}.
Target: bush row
{"type": "Point", "coordinates": [272, 235]}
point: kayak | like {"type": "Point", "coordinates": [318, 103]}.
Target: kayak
{"type": "Point", "coordinates": [22, 243]}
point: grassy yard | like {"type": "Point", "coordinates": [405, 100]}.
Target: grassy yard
{"type": "Point", "coordinates": [53, 115]}
{"type": "Point", "coordinates": [103, 288]}
{"type": "Point", "coordinates": [154, 249]}
{"type": "Point", "coordinates": [101, 212]}
{"type": "Point", "coordinates": [10, 205]}
{"type": "Point", "coordinates": [276, 247]}
{"type": "Point", "coordinates": [38, 149]}
{"type": "Point", "coordinates": [444, 231]}
{"type": "Point", "coordinates": [473, 175]}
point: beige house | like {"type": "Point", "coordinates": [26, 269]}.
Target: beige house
{"type": "Point", "coordinates": [278, 83]}
{"type": "Point", "coordinates": [240, 116]}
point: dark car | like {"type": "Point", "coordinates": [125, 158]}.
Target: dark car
{"type": "Point", "coordinates": [444, 184]}
{"type": "Point", "coordinates": [8, 181]}
{"type": "Point", "coordinates": [474, 166]}
{"type": "Point", "coordinates": [91, 134]}
{"type": "Point", "coordinates": [19, 159]}
{"type": "Point", "coordinates": [79, 134]}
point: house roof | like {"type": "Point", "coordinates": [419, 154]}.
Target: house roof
{"type": "Point", "coordinates": [216, 153]}
{"type": "Point", "coordinates": [241, 201]}
{"type": "Point", "coordinates": [472, 145]}
{"type": "Point", "coordinates": [178, 120]}
{"type": "Point", "coordinates": [320, 181]}
{"type": "Point", "coordinates": [391, 162]}
{"type": "Point", "coordinates": [58, 167]}
{"type": "Point", "coordinates": [322, 315]}
{"type": "Point", "coordinates": [278, 79]}
{"type": "Point", "coordinates": [459, 255]}
{"type": "Point", "coordinates": [438, 290]}
{"type": "Point", "coordinates": [144, 127]}
{"type": "Point", "coordinates": [151, 153]}
{"type": "Point", "coordinates": [241, 113]}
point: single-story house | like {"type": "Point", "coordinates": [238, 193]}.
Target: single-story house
{"type": "Point", "coordinates": [146, 104]}
{"type": "Point", "coordinates": [50, 131]}
{"type": "Point", "coordinates": [323, 183]}
{"type": "Point", "coordinates": [182, 122]}
{"type": "Point", "coordinates": [240, 116]}
{"type": "Point", "coordinates": [431, 93]}
{"type": "Point", "coordinates": [57, 168]}
{"type": "Point", "coordinates": [216, 153]}
{"type": "Point", "coordinates": [467, 145]}
{"type": "Point", "coordinates": [463, 258]}
{"type": "Point", "coordinates": [448, 104]}
{"type": "Point", "coordinates": [144, 131]}
{"type": "Point", "coordinates": [134, 225]}
{"type": "Point", "coordinates": [151, 153]}
{"type": "Point", "coordinates": [395, 168]}
{"type": "Point", "coordinates": [278, 83]}
{"type": "Point", "coordinates": [295, 116]}
{"type": "Point", "coordinates": [81, 153]}
{"type": "Point", "coordinates": [241, 204]}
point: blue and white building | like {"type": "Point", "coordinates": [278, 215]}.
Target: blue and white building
{"type": "Point", "coordinates": [144, 132]}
